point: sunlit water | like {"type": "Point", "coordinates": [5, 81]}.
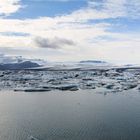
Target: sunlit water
{"type": "Point", "coordinates": [80, 115]}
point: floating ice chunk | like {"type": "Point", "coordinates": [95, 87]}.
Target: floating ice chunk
{"type": "Point", "coordinates": [67, 87]}
{"type": "Point", "coordinates": [32, 138]}
{"type": "Point", "coordinates": [32, 89]}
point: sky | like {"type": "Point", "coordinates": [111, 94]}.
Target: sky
{"type": "Point", "coordinates": [71, 30]}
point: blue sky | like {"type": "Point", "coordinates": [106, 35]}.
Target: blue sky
{"type": "Point", "coordinates": [39, 8]}
{"type": "Point", "coordinates": [71, 30]}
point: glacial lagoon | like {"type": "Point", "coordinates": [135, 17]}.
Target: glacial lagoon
{"type": "Point", "coordinates": [69, 115]}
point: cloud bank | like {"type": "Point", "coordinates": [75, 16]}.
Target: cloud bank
{"type": "Point", "coordinates": [91, 27]}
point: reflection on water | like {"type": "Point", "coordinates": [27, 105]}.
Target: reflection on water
{"type": "Point", "coordinates": [81, 115]}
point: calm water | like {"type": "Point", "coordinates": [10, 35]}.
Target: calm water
{"type": "Point", "coordinates": [82, 115]}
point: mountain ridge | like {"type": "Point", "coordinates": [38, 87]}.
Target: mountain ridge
{"type": "Point", "coordinates": [18, 66]}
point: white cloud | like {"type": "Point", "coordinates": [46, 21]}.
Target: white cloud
{"type": "Point", "coordinates": [116, 8]}
{"type": "Point", "coordinates": [8, 7]}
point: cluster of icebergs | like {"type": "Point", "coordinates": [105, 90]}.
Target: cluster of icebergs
{"type": "Point", "coordinates": [100, 80]}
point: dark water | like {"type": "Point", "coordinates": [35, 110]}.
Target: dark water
{"type": "Point", "coordinates": [82, 115]}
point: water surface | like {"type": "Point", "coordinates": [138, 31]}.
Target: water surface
{"type": "Point", "coordinates": [80, 115]}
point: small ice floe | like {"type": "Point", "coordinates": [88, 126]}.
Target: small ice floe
{"type": "Point", "coordinates": [32, 90]}
{"type": "Point", "coordinates": [32, 138]}
{"type": "Point", "coordinates": [36, 90]}
{"type": "Point", "coordinates": [18, 89]}
{"type": "Point", "coordinates": [130, 86]}
{"type": "Point", "coordinates": [109, 86]}
{"type": "Point", "coordinates": [67, 87]}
